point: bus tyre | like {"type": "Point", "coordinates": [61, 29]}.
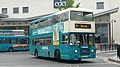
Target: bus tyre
{"type": "Point", "coordinates": [10, 49]}
{"type": "Point", "coordinates": [57, 55]}
{"type": "Point", "coordinates": [36, 53]}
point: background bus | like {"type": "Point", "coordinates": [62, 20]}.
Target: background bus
{"type": "Point", "coordinates": [13, 40]}
{"type": "Point", "coordinates": [68, 34]}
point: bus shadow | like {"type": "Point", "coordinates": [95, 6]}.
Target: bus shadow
{"type": "Point", "coordinates": [75, 61]}
{"type": "Point", "coordinates": [65, 61]}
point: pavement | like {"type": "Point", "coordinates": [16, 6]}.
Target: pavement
{"type": "Point", "coordinates": [112, 58]}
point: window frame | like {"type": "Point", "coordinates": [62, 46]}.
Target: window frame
{"type": "Point", "coordinates": [65, 41]}
{"type": "Point", "coordinates": [15, 10]}
{"type": "Point", "coordinates": [48, 38]}
{"type": "Point", "coordinates": [100, 5]}
{"type": "Point", "coordinates": [25, 9]}
{"type": "Point", "coordinates": [4, 11]}
{"type": "Point", "coordinates": [4, 41]}
{"type": "Point", "coordinates": [63, 16]}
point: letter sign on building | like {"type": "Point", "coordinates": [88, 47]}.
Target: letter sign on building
{"type": "Point", "coordinates": [59, 3]}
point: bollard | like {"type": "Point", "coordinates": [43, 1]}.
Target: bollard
{"type": "Point", "coordinates": [109, 47]}
{"type": "Point", "coordinates": [112, 46]}
{"type": "Point", "coordinates": [115, 47]}
{"type": "Point", "coordinates": [100, 47]}
{"type": "Point", "coordinates": [105, 47]}
{"type": "Point", "coordinates": [118, 51]}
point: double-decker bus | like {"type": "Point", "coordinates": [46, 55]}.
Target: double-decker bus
{"type": "Point", "coordinates": [68, 34]}
{"type": "Point", "coordinates": [11, 40]}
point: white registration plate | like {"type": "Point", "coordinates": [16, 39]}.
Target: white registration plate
{"type": "Point", "coordinates": [84, 56]}
{"type": "Point", "coordinates": [84, 50]}
{"type": "Point", "coordinates": [84, 46]}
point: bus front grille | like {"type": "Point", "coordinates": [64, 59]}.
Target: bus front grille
{"type": "Point", "coordinates": [85, 52]}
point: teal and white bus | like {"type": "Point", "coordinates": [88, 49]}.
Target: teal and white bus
{"type": "Point", "coordinates": [68, 34]}
{"type": "Point", "coordinates": [11, 40]}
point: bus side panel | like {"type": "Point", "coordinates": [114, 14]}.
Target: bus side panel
{"type": "Point", "coordinates": [5, 47]}
{"type": "Point", "coordinates": [30, 47]}
{"type": "Point", "coordinates": [51, 51]}
{"type": "Point", "coordinates": [63, 49]}
{"type": "Point", "coordinates": [31, 50]}
{"type": "Point", "coordinates": [21, 48]}
{"type": "Point", "coordinates": [43, 51]}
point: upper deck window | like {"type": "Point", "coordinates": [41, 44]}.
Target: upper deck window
{"type": "Point", "coordinates": [50, 20]}
{"type": "Point", "coordinates": [64, 16]}
{"type": "Point", "coordinates": [81, 16]}
{"type": "Point", "coordinates": [45, 22]}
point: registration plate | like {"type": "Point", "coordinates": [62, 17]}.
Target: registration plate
{"type": "Point", "coordinates": [84, 50]}
{"type": "Point", "coordinates": [84, 56]}
{"type": "Point", "coordinates": [84, 46]}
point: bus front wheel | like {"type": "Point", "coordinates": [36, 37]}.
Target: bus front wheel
{"type": "Point", "coordinates": [10, 49]}
{"type": "Point", "coordinates": [36, 53]}
{"type": "Point", "coordinates": [57, 55]}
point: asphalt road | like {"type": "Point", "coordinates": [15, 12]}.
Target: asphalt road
{"type": "Point", "coordinates": [23, 59]}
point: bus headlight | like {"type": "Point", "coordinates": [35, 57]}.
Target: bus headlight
{"type": "Point", "coordinates": [93, 50]}
{"type": "Point", "coordinates": [76, 51]}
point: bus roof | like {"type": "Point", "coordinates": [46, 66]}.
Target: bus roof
{"type": "Point", "coordinates": [9, 30]}
{"type": "Point", "coordinates": [59, 12]}
{"type": "Point", "coordinates": [75, 9]}
{"type": "Point", "coordinates": [42, 18]}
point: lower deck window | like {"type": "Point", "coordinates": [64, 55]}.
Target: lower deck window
{"type": "Point", "coordinates": [64, 39]}
{"type": "Point", "coordinates": [42, 41]}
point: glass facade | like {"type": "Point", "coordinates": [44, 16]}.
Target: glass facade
{"type": "Point", "coordinates": [101, 35]}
